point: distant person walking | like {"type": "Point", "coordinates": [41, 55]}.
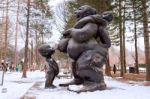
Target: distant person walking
{"type": "Point", "coordinates": [11, 67]}
{"type": "Point", "coordinates": [3, 65]}
{"type": "Point", "coordinates": [17, 67]}
{"type": "Point", "coordinates": [114, 69]}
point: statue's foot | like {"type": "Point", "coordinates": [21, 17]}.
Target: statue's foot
{"type": "Point", "coordinates": [50, 86]}
{"type": "Point", "coordinates": [73, 82]}
{"type": "Point", "coordinates": [87, 87]}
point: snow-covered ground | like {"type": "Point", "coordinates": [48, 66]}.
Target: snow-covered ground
{"type": "Point", "coordinates": [32, 87]}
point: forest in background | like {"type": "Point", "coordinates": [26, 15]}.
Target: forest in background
{"type": "Point", "coordinates": [33, 21]}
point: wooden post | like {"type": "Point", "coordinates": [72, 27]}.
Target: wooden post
{"type": "Point", "coordinates": [3, 77]}
{"type": "Point", "coordinates": [3, 70]}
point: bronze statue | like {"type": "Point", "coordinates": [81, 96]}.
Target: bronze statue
{"type": "Point", "coordinates": [87, 44]}
{"type": "Point", "coordinates": [52, 68]}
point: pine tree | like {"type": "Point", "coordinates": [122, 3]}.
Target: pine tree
{"type": "Point", "coordinates": [135, 36]}
{"type": "Point", "coordinates": [121, 38]}
{"type": "Point", "coordinates": [16, 34]}
{"type": "Point", "coordinates": [25, 64]}
{"type": "Point", "coordinates": [146, 39]}
{"type": "Point", "coordinates": [6, 30]}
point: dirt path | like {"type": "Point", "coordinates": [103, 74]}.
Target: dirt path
{"type": "Point", "coordinates": [30, 94]}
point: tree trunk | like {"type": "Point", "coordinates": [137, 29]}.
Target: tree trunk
{"type": "Point", "coordinates": [16, 34]}
{"type": "Point", "coordinates": [108, 68]}
{"type": "Point", "coordinates": [135, 37]}
{"type": "Point", "coordinates": [121, 39]}
{"type": "Point", "coordinates": [26, 43]}
{"type": "Point", "coordinates": [146, 39]}
{"type": "Point", "coordinates": [123, 35]}
{"type": "Point", "coordinates": [2, 38]}
{"type": "Point", "coordinates": [6, 31]}
{"type": "Point", "coordinates": [36, 52]}
{"type": "Point", "coordinates": [32, 55]}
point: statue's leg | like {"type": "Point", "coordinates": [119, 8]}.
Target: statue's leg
{"type": "Point", "coordinates": [77, 79]}
{"type": "Point", "coordinates": [89, 68]}
{"type": "Point", "coordinates": [50, 75]}
{"type": "Point", "coordinates": [92, 80]}
{"type": "Point", "coordinates": [90, 75]}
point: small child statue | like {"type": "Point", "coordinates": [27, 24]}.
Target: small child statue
{"type": "Point", "coordinates": [52, 69]}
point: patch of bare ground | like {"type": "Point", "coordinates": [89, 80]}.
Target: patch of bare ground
{"type": "Point", "coordinates": [29, 94]}
{"type": "Point", "coordinates": [147, 83]}
{"type": "Point", "coordinates": [132, 78]}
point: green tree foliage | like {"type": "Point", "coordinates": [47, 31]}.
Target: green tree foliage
{"type": "Point", "coordinates": [72, 6]}
{"type": "Point", "coordinates": [41, 16]}
{"type": "Point", "coordinates": [100, 5]}
{"type": "Point", "coordinates": [146, 38]}
{"type": "Point", "coordinates": [40, 19]}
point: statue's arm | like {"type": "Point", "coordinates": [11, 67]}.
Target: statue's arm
{"type": "Point", "coordinates": [63, 43]}
{"type": "Point", "coordinates": [82, 22]}
{"type": "Point", "coordinates": [85, 33]}
{"type": "Point", "coordinates": [104, 37]}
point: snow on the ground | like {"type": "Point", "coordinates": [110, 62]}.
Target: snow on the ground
{"type": "Point", "coordinates": [17, 87]}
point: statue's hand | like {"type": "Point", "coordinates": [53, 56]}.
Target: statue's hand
{"type": "Point", "coordinates": [67, 33]}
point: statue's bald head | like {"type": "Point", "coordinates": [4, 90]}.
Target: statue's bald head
{"type": "Point", "coordinates": [46, 50]}
{"type": "Point", "coordinates": [84, 11]}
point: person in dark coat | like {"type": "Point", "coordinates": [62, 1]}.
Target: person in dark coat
{"type": "Point", "coordinates": [114, 69]}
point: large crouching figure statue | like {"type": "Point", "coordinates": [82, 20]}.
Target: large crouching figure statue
{"type": "Point", "coordinates": [87, 44]}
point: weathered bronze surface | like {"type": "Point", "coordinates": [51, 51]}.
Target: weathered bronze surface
{"type": "Point", "coordinates": [87, 44]}
{"type": "Point", "coordinates": [52, 69]}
